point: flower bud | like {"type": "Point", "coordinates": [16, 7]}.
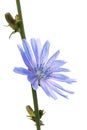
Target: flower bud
{"type": "Point", "coordinates": [14, 23]}
{"type": "Point", "coordinates": [9, 18]}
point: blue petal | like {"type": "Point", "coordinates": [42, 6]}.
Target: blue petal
{"type": "Point", "coordinates": [62, 70]}
{"type": "Point", "coordinates": [47, 89]}
{"type": "Point", "coordinates": [26, 61]}
{"type": "Point", "coordinates": [53, 88]}
{"type": "Point", "coordinates": [28, 52]}
{"type": "Point", "coordinates": [56, 69]}
{"type": "Point", "coordinates": [52, 59]}
{"type": "Point", "coordinates": [62, 78]}
{"type": "Point", "coordinates": [33, 81]}
{"type": "Point", "coordinates": [36, 46]}
{"type": "Point", "coordinates": [44, 52]}
{"type": "Point", "coordinates": [35, 84]}
{"type": "Point", "coordinates": [58, 63]}
{"type": "Point", "coordinates": [21, 70]}
{"type": "Point", "coordinates": [61, 88]}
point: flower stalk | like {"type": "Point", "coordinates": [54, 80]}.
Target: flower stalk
{"type": "Point", "coordinates": [35, 101]}
{"type": "Point", "coordinates": [22, 32]}
{"type": "Point", "coordinates": [34, 93]}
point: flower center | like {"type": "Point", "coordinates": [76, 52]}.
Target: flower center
{"type": "Point", "coordinates": [40, 73]}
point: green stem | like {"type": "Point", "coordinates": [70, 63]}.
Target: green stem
{"type": "Point", "coordinates": [35, 100]}
{"type": "Point", "coordinates": [22, 32]}
{"type": "Point", "coordinates": [34, 93]}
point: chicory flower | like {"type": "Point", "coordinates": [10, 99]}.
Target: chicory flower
{"type": "Point", "coordinates": [42, 71]}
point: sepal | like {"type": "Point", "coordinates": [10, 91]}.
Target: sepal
{"type": "Point", "coordinates": [31, 114]}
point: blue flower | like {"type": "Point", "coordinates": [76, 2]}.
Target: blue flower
{"type": "Point", "coordinates": [41, 71]}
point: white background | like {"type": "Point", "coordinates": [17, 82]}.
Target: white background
{"type": "Point", "coordinates": [64, 24]}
